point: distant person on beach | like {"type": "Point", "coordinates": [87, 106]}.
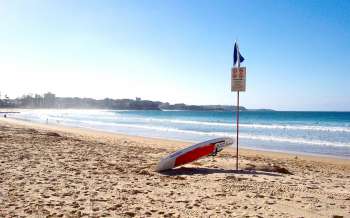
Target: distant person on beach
{"type": "Point", "coordinates": [5, 115]}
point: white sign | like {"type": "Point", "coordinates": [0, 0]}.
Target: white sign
{"type": "Point", "coordinates": [238, 78]}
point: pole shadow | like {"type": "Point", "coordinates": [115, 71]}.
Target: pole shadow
{"type": "Point", "coordinates": [188, 171]}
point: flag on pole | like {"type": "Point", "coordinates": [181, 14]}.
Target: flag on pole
{"type": "Point", "coordinates": [235, 51]}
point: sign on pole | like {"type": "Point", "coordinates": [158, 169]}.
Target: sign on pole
{"type": "Point", "coordinates": [238, 79]}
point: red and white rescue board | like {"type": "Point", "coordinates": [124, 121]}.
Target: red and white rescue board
{"type": "Point", "coordinates": [193, 152]}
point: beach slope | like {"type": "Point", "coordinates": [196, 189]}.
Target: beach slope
{"type": "Point", "coordinates": [57, 171]}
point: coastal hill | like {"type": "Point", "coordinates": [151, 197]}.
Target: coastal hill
{"type": "Point", "coordinates": [49, 100]}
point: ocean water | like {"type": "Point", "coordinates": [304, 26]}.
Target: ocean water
{"type": "Point", "coordinates": [319, 133]}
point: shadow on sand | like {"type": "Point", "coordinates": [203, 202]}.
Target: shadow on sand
{"type": "Point", "coordinates": [205, 171]}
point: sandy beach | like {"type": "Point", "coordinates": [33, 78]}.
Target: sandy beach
{"type": "Point", "coordinates": [56, 171]}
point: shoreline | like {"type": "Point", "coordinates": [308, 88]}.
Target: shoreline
{"type": "Point", "coordinates": [57, 171]}
{"type": "Point", "coordinates": [273, 153]}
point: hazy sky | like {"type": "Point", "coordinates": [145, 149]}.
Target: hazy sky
{"type": "Point", "coordinates": [297, 52]}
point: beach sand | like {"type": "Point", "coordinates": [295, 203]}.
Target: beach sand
{"type": "Point", "coordinates": [55, 171]}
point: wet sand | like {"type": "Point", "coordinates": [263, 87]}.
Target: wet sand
{"type": "Point", "coordinates": [55, 171]}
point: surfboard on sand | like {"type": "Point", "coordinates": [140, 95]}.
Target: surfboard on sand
{"type": "Point", "coordinates": [193, 152]}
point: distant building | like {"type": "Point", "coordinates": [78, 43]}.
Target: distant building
{"type": "Point", "coordinates": [138, 99]}
{"type": "Point", "coordinates": [49, 100]}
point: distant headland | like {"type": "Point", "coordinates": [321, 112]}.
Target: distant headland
{"type": "Point", "coordinates": [50, 100]}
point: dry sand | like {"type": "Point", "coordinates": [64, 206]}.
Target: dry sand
{"type": "Point", "coordinates": [54, 171]}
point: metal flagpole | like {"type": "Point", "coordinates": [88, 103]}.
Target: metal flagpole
{"type": "Point", "coordinates": [237, 113]}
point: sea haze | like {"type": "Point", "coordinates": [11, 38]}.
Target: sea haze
{"type": "Point", "coordinates": [319, 133]}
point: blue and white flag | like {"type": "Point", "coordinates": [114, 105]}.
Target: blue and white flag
{"type": "Point", "coordinates": [241, 59]}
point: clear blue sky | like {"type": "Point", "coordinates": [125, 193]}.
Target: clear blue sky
{"type": "Point", "coordinates": [297, 52]}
